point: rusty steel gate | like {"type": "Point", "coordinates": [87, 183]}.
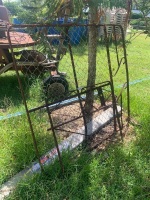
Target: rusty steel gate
{"type": "Point", "coordinates": [52, 61]}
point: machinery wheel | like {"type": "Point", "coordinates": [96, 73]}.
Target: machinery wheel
{"type": "Point", "coordinates": [55, 87]}
{"type": "Point", "coordinates": [32, 56]}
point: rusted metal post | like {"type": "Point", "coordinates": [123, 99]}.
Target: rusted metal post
{"type": "Point", "coordinates": [127, 73]}
{"type": "Point", "coordinates": [24, 100]}
{"type": "Point", "coordinates": [77, 88]}
{"type": "Point", "coordinates": [111, 77]}
{"type": "Point", "coordinates": [54, 135]}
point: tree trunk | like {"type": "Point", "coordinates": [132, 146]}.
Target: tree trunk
{"type": "Point", "coordinates": [92, 49]}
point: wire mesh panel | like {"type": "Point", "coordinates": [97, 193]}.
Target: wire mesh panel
{"type": "Point", "coordinates": [52, 63]}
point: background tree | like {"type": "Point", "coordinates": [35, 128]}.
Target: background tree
{"type": "Point", "coordinates": [13, 7]}
{"type": "Point", "coordinates": [144, 7]}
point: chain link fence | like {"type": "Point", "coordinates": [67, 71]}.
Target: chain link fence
{"type": "Point", "coordinates": [51, 64]}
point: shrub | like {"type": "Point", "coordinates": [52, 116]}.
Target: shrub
{"type": "Point", "coordinates": [134, 22]}
{"type": "Point", "coordinates": [136, 15]}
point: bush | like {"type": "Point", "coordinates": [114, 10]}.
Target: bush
{"type": "Point", "coordinates": [136, 15]}
{"type": "Point", "coordinates": [13, 7]}
{"type": "Point", "coordinates": [142, 23]}
{"type": "Point", "coordinates": [134, 22]}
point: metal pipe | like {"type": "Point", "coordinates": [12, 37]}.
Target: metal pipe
{"type": "Point", "coordinates": [127, 74]}
{"type": "Point", "coordinates": [54, 135]}
{"type": "Point", "coordinates": [111, 77]}
{"type": "Point", "coordinates": [77, 87]}
{"type": "Point", "coordinates": [24, 100]}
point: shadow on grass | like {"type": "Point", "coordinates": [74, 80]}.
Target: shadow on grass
{"type": "Point", "coordinates": [119, 172]}
{"type": "Point", "coordinates": [10, 90]}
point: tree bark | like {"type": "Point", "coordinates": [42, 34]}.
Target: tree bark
{"type": "Point", "coordinates": [92, 49]}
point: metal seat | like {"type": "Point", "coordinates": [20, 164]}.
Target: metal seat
{"type": "Point", "coordinates": [4, 19]}
{"type": "Point", "coordinates": [4, 14]}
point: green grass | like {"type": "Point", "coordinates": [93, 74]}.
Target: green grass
{"type": "Point", "coordinates": [120, 172]}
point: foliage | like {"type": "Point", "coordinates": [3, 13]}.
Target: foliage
{"type": "Point", "coordinates": [13, 7]}
{"type": "Point", "coordinates": [136, 15]}
{"type": "Point", "coordinates": [48, 9]}
{"type": "Point", "coordinates": [144, 7]}
{"type": "Point", "coordinates": [140, 24]}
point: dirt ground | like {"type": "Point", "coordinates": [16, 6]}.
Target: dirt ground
{"type": "Point", "coordinates": [71, 119]}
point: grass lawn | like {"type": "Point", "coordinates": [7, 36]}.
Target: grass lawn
{"type": "Point", "coordinates": [120, 172]}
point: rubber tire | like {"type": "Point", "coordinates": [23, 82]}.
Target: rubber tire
{"type": "Point", "coordinates": [54, 83]}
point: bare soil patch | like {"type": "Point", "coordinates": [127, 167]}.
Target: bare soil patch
{"type": "Point", "coordinates": [71, 119]}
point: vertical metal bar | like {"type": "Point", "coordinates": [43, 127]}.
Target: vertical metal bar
{"type": "Point", "coordinates": [127, 73]}
{"type": "Point", "coordinates": [119, 123]}
{"type": "Point", "coordinates": [118, 118]}
{"type": "Point", "coordinates": [54, 135]}
{"type": "Point", "coordinates": [116, 49]}
{"type": "Point", "coordinates": [24, 100]}
{"type": "Point", "coordinates": [111, 77]}
{"type": "Point", "coordinates": [77, 88]}
{"type": "Point", "coordinates": [121, 111]}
